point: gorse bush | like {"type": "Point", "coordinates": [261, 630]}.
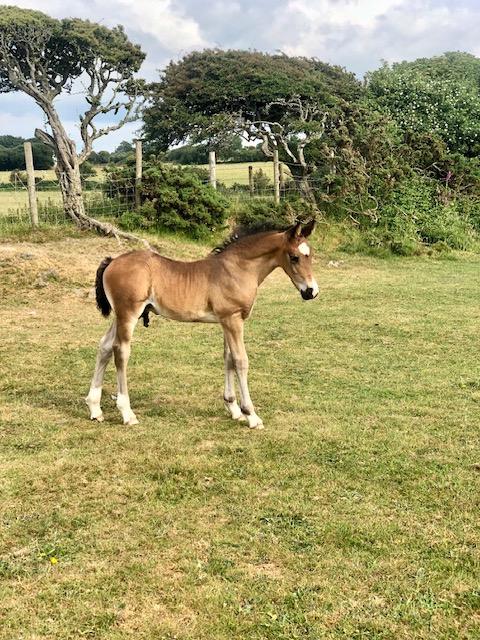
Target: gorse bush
{"type": "Point", "coordinates": [172, 199]}
{"type": "Point", "coordinates": [268, 211]}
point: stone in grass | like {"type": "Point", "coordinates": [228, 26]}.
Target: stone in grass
{"type": "Point", "coordinates": [46, 277]}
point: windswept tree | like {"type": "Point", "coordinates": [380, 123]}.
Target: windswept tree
{"type": "Point", "coordinates": [285, 103]}
{"type": "Point", "coordinates": [44, 58]}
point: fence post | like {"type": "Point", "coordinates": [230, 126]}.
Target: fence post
{"type": "Point", "coordinates": [213, 169]}
{"type": "Point", "coordinates": [250, 180]}
{"type": "Point", "coordinates": [32, 196]}
{"type": "Point", "coordinates": [276, 176]}
{"type": "Point", "coordinates": [138, 175]}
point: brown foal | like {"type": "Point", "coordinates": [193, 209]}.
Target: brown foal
{"type": "Point", "coordinates": [220, 288]}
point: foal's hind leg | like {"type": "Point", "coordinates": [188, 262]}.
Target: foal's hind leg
{"type": "Point", "coordinates": [105, 351]}
{"type": "Point", "coordinates": [121, 354]}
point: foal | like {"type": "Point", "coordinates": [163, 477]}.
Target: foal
{"type": "Point", "coordinates": [220, 288]}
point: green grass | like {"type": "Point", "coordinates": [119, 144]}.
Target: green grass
{"type": "Point", "coordinates": [16, 202]}
{"type": "Point", "coordinates": [48, 174]}
{"type": "Point", "coordinates": [353, 515]}
{"type": "Point", "coordinates": [228, 174]}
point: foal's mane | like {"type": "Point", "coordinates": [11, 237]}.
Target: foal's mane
{"type": "Point", "coordinates": [247, 231]}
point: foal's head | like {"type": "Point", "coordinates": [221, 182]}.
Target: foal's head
{"type": "Point", "coordinates": [296, 259]}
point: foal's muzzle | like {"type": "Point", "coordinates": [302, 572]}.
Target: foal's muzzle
{"type": "Point", "coordinates": [308, 293]}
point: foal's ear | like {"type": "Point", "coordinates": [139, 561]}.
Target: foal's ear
{"type": "Point", "coordinates": [294, 232]}
{"type": "Point", "coordinates": [308, 228]}
{"type": "Point", "coordinates": [298, 230]}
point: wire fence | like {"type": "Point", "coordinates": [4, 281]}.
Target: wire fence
{"type": "Point", "coordinates": [105, 197]}
{"type": "Point", "coordinates": [101, 199]}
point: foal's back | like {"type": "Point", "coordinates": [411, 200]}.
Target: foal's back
{"type": "Point", "coordinates": [183, 291]}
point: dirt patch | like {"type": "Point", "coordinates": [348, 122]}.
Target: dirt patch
{"type": "Point", "coordinates": [53, 269]}
{"type": "Point", "coordinates": [72, 259]}
{"type": "Point", "coordinates": [67, 265]}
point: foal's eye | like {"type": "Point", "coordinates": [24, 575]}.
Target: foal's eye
{"type": "Point", "coordinates": [293, 259]}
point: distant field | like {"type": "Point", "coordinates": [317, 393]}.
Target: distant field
{"type": "Point", "coordinates": [231, 174]}
{"type": "Point", "coordinates": [44, 175]}
{"type": "Point", "coordinates": [16, 202]}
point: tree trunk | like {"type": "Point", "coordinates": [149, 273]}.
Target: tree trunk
{"type": "Point", "coordinates": [306, 189]}
{"type": "Point", "coordinates": [71, 189]}
{"type": "Point", "coordinates": [298, 166]}
{"type": "Point", "coordinates": [300, 176]}
{"type": "Point", "coordinates": [67, 170]}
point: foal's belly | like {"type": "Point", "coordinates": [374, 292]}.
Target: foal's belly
{"type": "Point", "coordinates": [182, 314]}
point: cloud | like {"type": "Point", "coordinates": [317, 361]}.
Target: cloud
{"type": "Point", "coordinates": [355, 34]}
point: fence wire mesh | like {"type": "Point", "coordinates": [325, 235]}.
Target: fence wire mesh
{"type": "Point", "coordinates": [106, 198]}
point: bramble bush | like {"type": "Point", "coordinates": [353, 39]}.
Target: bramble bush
{"type": "Point", "coordinates": [418, 214]}
{"type": "Point", "coordinates": [436, 95]}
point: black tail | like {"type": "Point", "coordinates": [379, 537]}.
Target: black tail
{"type": "Point", "coordinates": [102, 300]}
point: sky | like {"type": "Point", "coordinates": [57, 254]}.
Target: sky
{"type": "Point", "coordinates": [355, 34]}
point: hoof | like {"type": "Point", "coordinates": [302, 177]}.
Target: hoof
{"type": "Point", "coordinates": [254, 422]}
{"type": "Point", "coordinates": [240, 418]}
{"type": "Point", "coordinates": [99, 418]}
{"type": "Point", "coordinates": [131, 422]}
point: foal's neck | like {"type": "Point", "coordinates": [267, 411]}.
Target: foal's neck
{"type": "Point", "coordinates": [259, 255]}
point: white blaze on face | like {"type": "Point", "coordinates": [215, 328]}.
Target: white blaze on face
{"type": "Point", "coordinates": [304, 249]}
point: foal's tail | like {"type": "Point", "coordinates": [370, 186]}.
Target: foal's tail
{"type": "Point", "coordinates": [102, 301]}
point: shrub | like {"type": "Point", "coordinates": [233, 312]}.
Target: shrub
{"type": "Point", "coordinates": [418, 213]}
{"type": "Point", "coordinates": [261, 182]}
{"type": "Point", "coordinates": [172, 198]}
{"type": "Point", "coordinates": [18, 178]}
{"type": "Point", "coordinates": [283, 213]}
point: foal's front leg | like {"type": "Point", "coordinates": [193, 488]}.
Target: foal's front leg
{"type": "Point", "coordinates": [229, 392]}
{"type": "Point", "coordinates": [236, 358]}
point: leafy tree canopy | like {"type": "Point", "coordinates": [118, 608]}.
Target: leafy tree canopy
{"type": "Point", "coordinates": [231, 151]}
{"type": "Point", "coordinates": [38, 52]}
{"type": "Point", "coordinates": [12, 153]}
{"type": "Point", "coordinates": [11, 141]}
{"type": "Point", "coordinates": [284, 102]}
{"type": "Point", "coordinates": [437, 95]}
{"type": "Point", "coordinates": [43, 57]}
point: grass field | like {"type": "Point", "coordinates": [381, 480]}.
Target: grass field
{"type": "Point", "coordinates": [227, 173]}
{"type": "Point", "coordinates": [48, 174]}
{"type": "Point", "coordinates": [353, 515]}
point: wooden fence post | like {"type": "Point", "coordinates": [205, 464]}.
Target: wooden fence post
{"type": "Point", "coordinates": [213, 169]}
{"type": "Point", "coordinates": [138, 175]}
{"type": "Point", "coordinates": [276, 176]}
{"type": "Point", "coordinates": [250, 180]}
{"type": "Point", "coordinates": [32, 196]}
